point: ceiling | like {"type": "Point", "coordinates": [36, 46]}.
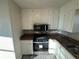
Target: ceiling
{"type": "Point", "coordinates": [40, 3]}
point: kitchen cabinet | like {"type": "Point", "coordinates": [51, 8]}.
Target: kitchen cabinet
{"type": "Point", "coordinates": [76, 22]}
{"type": "Point", "coordinates": [46, 16]}
{"type": "Point", "coordinates": [52, 46]}
{"type": "Point", "coordinates": [76, 17]}
{"type": "Point", "coordinates": [68, 21]}
{"type": "Point", "coordinates": [78, 4]}
{"type": "Point", "coordinates": [61, 56]}
{"type": "Point", "coordinates": [67, 15]}
{"type": "Point", "coordinates": [66, 53]}
{"type": "Point", "coordinates": [58, 54]}
{"type": "Point", "coordinates": [27, 46]}
{"type": "Point", "coordinates": [57, 49]}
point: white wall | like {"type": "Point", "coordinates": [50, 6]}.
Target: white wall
{"type": "Point", "coordinates": [16, 27]}
{"type": "Point", "coordinates": [6, 40]}
{"type": "Point", "coordinates": [31, 16]}
{"type": "Point", "coordinates": [5, 26]}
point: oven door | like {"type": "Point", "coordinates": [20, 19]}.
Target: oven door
{"type": "Point", "coordinates": [42, 46]}
{"type": "Point", "coordinates": [41, 39]}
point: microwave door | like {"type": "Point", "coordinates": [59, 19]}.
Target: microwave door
{"type": "Point", "coordinates": [45, 28]}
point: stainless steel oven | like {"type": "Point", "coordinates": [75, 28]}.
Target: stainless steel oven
{"type": "Point", "coordinates": [40, 42]}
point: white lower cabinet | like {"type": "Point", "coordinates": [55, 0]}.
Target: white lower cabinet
{"type": "Point", "coordinates": [56, 48]}
{"type": "Point", "coordinates": [52, 51]}
{"type": "Point", "coordinates": [27, 46]}
{"type": "Point", "coordinates": [52, 46]}
{"type": "Point", "coordinates": [67, 54]}
{"type": "Point", "coordinates": [58, 54]}
{"type": "Point", "coordinates": [62, 56]}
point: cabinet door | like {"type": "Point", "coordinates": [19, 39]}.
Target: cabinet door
{"type": "Point", "coordinates": [67, 16]}
{"type": "Point", "coordinates": [62, 55]}
{"type": "Point", "coordinates": [68, 21]}
{"type": "Point", "coordinates": [76, 22]}
{"type": "Point", "coordinates": [27, 47]}
{"type": "Point", "coordinates": [78, 4]}
{"type": "Point", "coordinates": [66, 54]}
{"type": "Point", "coordinates": [57, 48]}
{"type": "Point", "coordinates": [52, 46]}
{"type": "Point", "coordinates": [52, 51]}
{"type": "Point", "coordinates": [58, 54]}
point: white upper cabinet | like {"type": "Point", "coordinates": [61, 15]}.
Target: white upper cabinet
{"type": "Point", "coordinates": [78, 3]}
{"type": "Point", "coordinates": [67, 15]}
{"type": "Point", "coordinates": [26, 19]}
{"type": "Point", "coordinates": [76, 21]}
{"type": "Point", "coordinates": [32, 16]}
{"type": "Point", "coordinates": [63, 20]}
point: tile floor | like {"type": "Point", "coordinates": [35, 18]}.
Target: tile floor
{"type": "Point", "coordinates": [39, 55]}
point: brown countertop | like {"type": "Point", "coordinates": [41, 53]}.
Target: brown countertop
{"type": "Point", "coordinates": [27, 37]}
{"type": "Point", "coordinates": [58, 35]}
{"type": "Point", "coordinates": [69, 43]}
{"type": "Point", "coordinates": [28, 34]}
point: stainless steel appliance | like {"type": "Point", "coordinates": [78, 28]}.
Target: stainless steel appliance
{"type": "Point", "coordinates": [40, 27]}
{"type": "Point", "coordinates": [40, 41]}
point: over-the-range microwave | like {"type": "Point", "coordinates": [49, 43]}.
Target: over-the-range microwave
{"type": "Point", "coordinates": [41, 27]}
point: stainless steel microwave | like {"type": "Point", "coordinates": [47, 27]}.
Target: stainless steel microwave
{"type": "Point", "coordinates": [40, 27]}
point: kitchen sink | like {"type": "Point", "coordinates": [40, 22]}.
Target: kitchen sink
{"type": "Point", "coordinates": [74, 49]}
